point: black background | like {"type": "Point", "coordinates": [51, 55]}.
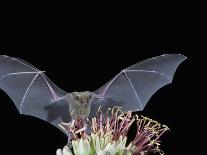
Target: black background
{"type": "Point", "coordinates": [83, 50]}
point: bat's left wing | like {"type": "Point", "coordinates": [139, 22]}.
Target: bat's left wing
{"type": "Point", "coordinates": [132, 88]}
{"type": "Point", "coordinates": [32, 92]}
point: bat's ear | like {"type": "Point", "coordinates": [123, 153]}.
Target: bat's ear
{"type": "Point", "coordinates": [74, 95]}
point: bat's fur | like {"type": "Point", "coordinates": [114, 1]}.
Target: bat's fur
{"type": "Point", "coordinates": [81, 104]}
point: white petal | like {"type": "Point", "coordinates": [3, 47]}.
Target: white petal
{"type": "Point", "coordinates": [101, 152]}
{"type": "Point", "coordinates": [87, 147]}
{"type": "Point", "coordinates": [66, 151]}
{"type": "Point", "coordinates": [59, 152]}
{"type": "Point", "coordinates": [111, 148]}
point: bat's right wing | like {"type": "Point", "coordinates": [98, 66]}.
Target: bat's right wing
{"type": "Point", "coordinates": [132, 88]}
{"type": "Point", "coordinates": [32, 92]}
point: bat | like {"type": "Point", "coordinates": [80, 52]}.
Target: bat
{"type": "Point", "coordinates": [34, 94]}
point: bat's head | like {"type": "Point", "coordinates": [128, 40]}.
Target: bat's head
{"type": "Point", "coordinates": [81, 103]}
{"type": "Point", "coordinates": [82, 98]}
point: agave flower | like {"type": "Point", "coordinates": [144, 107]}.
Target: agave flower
{"type": "Point", "coordinates": [109, 135]}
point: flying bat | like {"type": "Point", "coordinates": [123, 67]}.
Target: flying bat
{"type": "Point", "coordinates": [34, 94]}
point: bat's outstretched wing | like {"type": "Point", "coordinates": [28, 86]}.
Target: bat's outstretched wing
{"type": "Point", "coordinates": [132, 88]}
{"type": "Point", "coordinates": [32, 92]}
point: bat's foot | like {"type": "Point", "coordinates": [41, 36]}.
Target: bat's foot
{"type": "Point", "coordinates": [88, 129]}
{"type": "Point", "coordinates": [69, 144]}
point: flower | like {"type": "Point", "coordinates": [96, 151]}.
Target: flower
{"type": "Point", "coordinates": [109, 135]}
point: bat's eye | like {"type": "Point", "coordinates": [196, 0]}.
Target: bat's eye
{"type": "Point", "coordinates": [77, 97]}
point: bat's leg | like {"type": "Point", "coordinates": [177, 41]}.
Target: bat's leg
{"type": "Point", "coordinates": [69, 144]}
{"type": "Point", "coordinates": [88, 128]}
